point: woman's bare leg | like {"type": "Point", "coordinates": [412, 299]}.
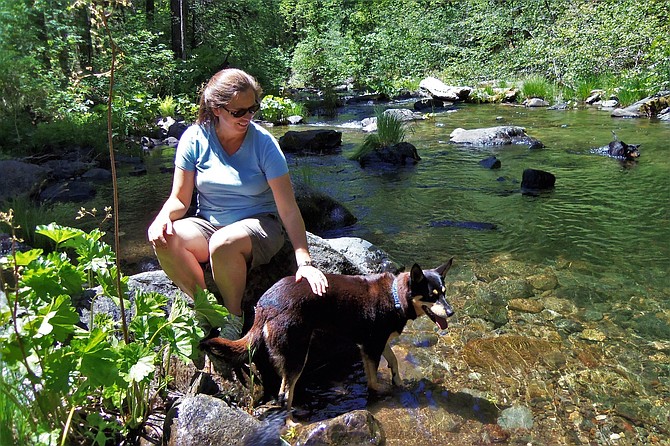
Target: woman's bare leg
{"type": "Point", "coordinates": [229, 252]}
{"type": "Point", "coordinates": [186, 249]}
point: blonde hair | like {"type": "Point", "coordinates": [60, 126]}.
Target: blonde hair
{"type": "Point", "coordinates": [221, 89]}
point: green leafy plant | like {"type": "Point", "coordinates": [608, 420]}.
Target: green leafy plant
{"type": "Point", "coordinates": [390, 131]}
{"type": "Point", "coordinates": [276, 109]}
{"type": "Point", "coordinates": [167, 106]}
{"type": "Point", "coordinates": [72, 374]}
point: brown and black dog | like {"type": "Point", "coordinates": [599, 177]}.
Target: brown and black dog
{"type": "Point", "coordinates": [369, 310]}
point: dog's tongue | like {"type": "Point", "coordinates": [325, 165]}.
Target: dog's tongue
{"type": "Point", "coordinates": [441, 322]}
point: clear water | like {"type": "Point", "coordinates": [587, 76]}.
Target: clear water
{"type": "Point", "coordinates": [611, 216]}
{"type": "Point", "coordinates": [611, 220]}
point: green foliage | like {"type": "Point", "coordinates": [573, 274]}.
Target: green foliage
{"type": "Point", "coordinates": [390, 131]}
{"type": "Point", "coordinates": [276, 109]}
{"type": "Point", "coordinates": [71, 375]}
{"type": "Point", "coordinates": [538, 87]}
{"type": "Point", "coordinates": [167, 106]}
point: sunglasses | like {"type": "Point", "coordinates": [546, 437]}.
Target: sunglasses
{"type": "Point", "coordinates": [239, 113]}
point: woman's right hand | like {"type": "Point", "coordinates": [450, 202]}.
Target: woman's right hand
{"type": "Point", "coordinates": [158, 229]}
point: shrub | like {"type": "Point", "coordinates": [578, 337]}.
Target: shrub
{"type": "Point", "coordinates": [276, 109]}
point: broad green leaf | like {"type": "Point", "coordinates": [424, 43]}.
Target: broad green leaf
{"type": "Point", "coordinates": [58, 233]}
{"type": "Point", "coordinates": [207, 312]}
{"type": "Point", "coordinates": [24, 258]}
{"type": "Point", "coordinates": [142, 368]}
{"type": "Point", "coordinates": [58, 318]}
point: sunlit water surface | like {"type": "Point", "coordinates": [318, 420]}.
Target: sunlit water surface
{"type": "Point", "coordinates": [612, 219]}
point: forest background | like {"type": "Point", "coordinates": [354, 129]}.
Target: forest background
{"type": "Point", "coordinates": [55, 55]}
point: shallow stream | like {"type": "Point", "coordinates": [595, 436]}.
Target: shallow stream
{"type": "Point", "coordinates": [604, 232]}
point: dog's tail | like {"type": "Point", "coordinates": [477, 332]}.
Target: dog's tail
{"type": "Point", "coordinates": [235, 352]}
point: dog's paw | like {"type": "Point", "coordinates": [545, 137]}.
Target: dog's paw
{"type": "Point", "coordinates": [397, 381]}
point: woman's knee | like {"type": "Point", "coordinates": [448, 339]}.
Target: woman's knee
{"type": "Point", "coordinates": [227, 242]}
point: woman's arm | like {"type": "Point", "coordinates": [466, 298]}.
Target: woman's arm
{"type": "Point", "coordinates": [174, 208]}
{"type": "Point", "coordinates": [295, 228]}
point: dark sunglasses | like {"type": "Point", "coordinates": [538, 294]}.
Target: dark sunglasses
{"type": "Point", "coordinates": [239, 113]}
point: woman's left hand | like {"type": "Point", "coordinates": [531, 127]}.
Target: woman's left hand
{"type": "Point", "coordinates": [317, 280]}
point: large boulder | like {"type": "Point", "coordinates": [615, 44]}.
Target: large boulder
{"type": "Point", "coordinates": [319, 211]}
{"type": "Point", "coordinates": [319, 141]}
{"type": "Point", "coordinates": [440, 90]}
{"type": "Point", "coordinates": [20, 179]}
{"type": "Point", "coordinates": [493, 136]}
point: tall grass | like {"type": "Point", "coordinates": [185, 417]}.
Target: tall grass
{"type": "Point", "coordinates": [390, 131]}
{"type": "Point", "coordinates": [538, 87]}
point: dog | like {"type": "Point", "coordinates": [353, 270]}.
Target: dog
{"type": "Point", "coordinates": [623, 151]}
{"type": "Point", "coordinates": [370, 310]}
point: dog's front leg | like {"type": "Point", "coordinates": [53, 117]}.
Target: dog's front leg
{"type": "Point", "coordinates": [370, 367]}
{"type": "Point", "coordinates": [393, 365]}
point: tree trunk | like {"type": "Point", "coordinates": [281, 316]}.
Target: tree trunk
{"type": "Point", "coordinates": [178, 15]}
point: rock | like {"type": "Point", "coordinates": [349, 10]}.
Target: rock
{"type": "Point", "coordinates": [525, 305]}
{"type": "Point", "coordinates": [177, 129]}
{"type": "Point", "coordinates": [534, 180]}
{"type": "Point", "coordinates": [428, 104]}
{"type": "Point", "coordinates": [68, 191]}
{"type": "Point", "coordinates": [535, 102]}
{"type": "Point", "coordinates": [319, 211]}
{"type": "Point", "coordinates": [516, 417]}
{"type": "Point", "coordinates": [65, 169]}
{"type": "Point", "coordinates": [20, 179]}
{"type": "Point", "coordinates": [544, 282]}
{"type": "Point", "coordinates": [399, 154]}
{"type": "Point", "coordinates": [356, 428]}
{"type": "Point", "coordinates": [368, 257]}
{"type": "Point", "coordinates": [205, 420]}
{"type": "Point", "coordinates": [491, 136]}
{"type": "Point", "coordinates": [490, 163]}
{"type": "Point", "coordinates": [97, 175]}
{"type": "Point", "coordinates": [440, 90]}
{"type": "Point", "coordinates": [305, 142]}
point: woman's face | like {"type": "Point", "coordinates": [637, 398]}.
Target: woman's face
{"type": "Point", "coordinates": [243, 102]}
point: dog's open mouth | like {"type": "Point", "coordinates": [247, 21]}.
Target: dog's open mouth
{"type": "Point", "coordinates": [439, 320]}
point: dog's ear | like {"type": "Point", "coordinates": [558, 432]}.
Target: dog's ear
{"type": "Point", "coordinates": [442, 269]}
{"type": "Point", "coordinates": [416, 274]}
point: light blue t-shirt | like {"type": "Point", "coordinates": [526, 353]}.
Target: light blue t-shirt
{"type": "Point", "coordinates": [231, 188]}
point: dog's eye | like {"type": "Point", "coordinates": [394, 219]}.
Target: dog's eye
{"type": "Point", "coordinates": [444, 290]}
{"type": "Point", "coordinates": [435, 292]}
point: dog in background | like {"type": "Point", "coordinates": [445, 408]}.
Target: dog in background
{"type": "Point", "coordinates": [370, 310]}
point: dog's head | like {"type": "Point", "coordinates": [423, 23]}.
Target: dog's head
{"type": "Point", "coordinates": [622, 150]}
{"type": "Point", "coordinates": [428, 293]}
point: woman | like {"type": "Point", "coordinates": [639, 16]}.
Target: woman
{"type": "Point", "coordinates": [243, 191]}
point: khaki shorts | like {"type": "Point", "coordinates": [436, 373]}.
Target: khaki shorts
{"type": "Point", "coordinates": [265, 230]}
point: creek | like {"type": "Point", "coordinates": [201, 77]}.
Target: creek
{"type": "Point", "coordinates": [604, 228]}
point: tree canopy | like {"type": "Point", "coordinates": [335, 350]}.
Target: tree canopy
{"type": "Point", "coordinates": [55, 57]}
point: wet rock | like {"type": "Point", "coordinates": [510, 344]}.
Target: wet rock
{"type": "Point", "coordinates": [525, 305]}
{"type": "Point", "coordinates": [568, 326]}
{"type": "Point", "coordinates": [534, 180]}
{"type": "Point", "coordinates": [491, 136]}
{"type": "Point", "coordinates": [356, 428]}
{"type": "Point", "coordinates": [516, 417]}
{"type": "Point", "coordinates": [369, 258]}
{"type": "Point", "coordinates": [491, 309]}
{"type": "Point", "coordinates": [320, 211]}
{"type": "Point", "coordinates": [562, 306]}
{"type": "Point", "coordinates": [97, 175]}
{"type": "Point", "coordinates": [591, 334]}
{"type": "Point", "coordinates": [319, 141]}
{"type": "Point", "coordinates": [506, 354]}
{"type": "Point", "coordinates": [203, 419]}
{"type": "Point", "coordinates": [400, 154]}
{"type": "Point", "coordinates": [490, 163]}
{"type": "Point", "coordinates": [544, 282]}
{"type": "Point", "coordinates": [535, 102]}
{"type": "Point", "coordinates": [440, 90]}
